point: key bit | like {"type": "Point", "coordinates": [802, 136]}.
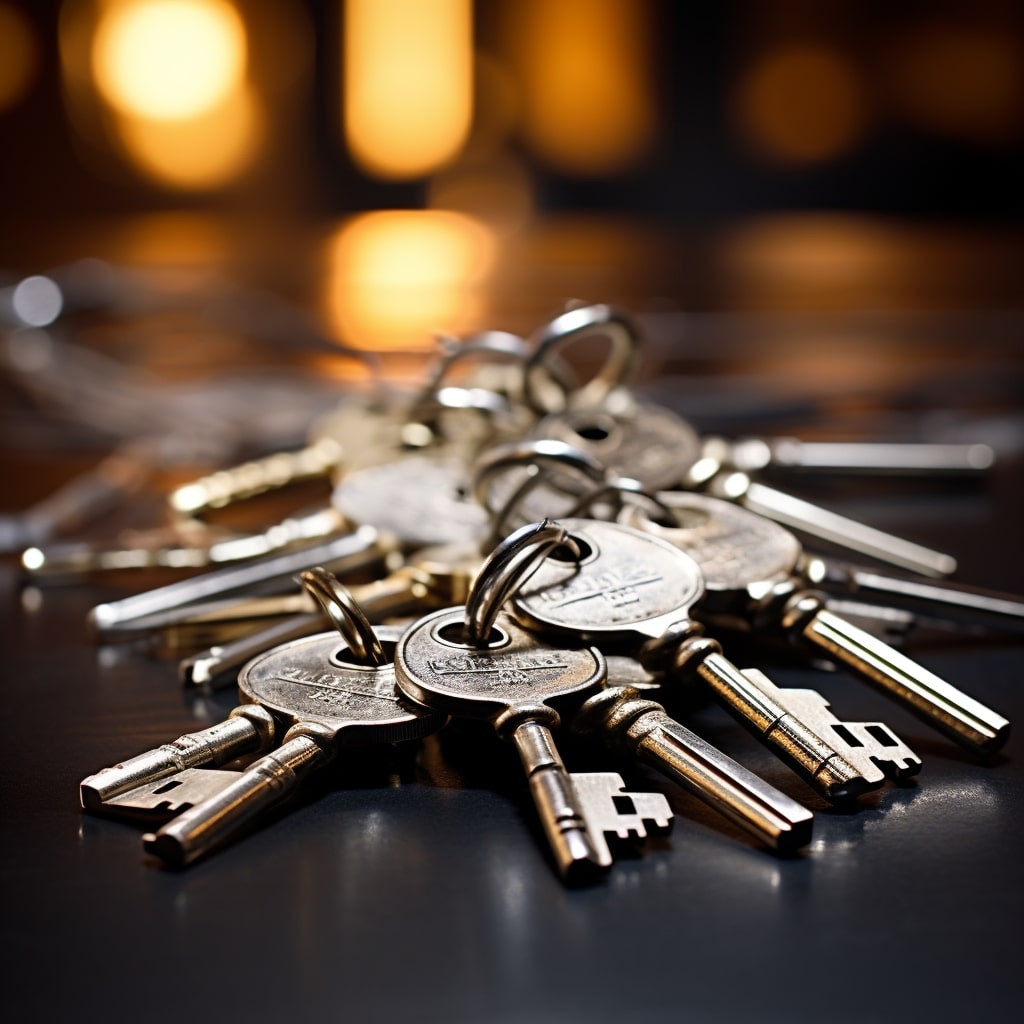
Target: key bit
{"type": "Point", "coordinates": [609, 810]}
{"type": "Point", "coordinates": [642, 728]}
{"type": "Point", "coordinates": [871, 747]}
{"type": "Point", "coordinates": [247, 730]}
{"type": "Point", "coordinates": [164, 799]}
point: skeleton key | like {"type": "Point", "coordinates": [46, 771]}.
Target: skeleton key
{"type": "Point", "coordinates": [622, 717]}
{"type": "Point", "coordinates": [750, 567]}
{"type": "Point", "coordinates": [330, 693]}
{"type": "Point", "coordinates": [474, 661]}
{"type": "Point", "coordinates": [631, 589]}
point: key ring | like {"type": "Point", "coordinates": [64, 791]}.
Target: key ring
{"type": "Point", "coordinates": [505, 570]}
{"type": "Point", "coordinates": [531, 455]}
{"type": "Point", "coordinates": [346, 615]}
{"type": "Point", "coordinates": [540, 386]}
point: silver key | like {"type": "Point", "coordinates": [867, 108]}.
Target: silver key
{"type": "Point", "coordinates": [750, 567]}
{"type": "Point", "coordinates": [474, 661]}
{"type": "Point", "coordinates": [633, 590]}
{"type": "Point", "coordinates": [620, 716]}
{"type": "Point", "coordinates": [360, 549]}
{"type": "Point", "coordinates": [752, 455]}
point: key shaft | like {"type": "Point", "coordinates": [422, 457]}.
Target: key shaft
{"type": "Point", "coordinates": [645, 730]}
{"type": "Point", "coordinates": [940, 704]}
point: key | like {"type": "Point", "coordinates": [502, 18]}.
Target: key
{"type": "Point", "coordinates": [247, 730]}
{"type": "Point", "coordinates": [361, 549]}
{"type": "Point", "coordinates": [751, 571]}
{"type": "Point", "coordinates": [939, 602]}
{"type": "Point", "coordinates": [621, 717]}
{"type": "Point", "coordinates": [420, 501]}
{"type": "Point", "coordinates": [753, 455]}
{"type": "Point", "coordinates": [646, 452]}
{"type": "Point", "coordinates": [186, 545]}
{"type": "Point", "coordinates": [475, 662]}
{"type": "Point", "coordinates": [330, 693]}
{"type": "Point", "coordinates": [630, 590]}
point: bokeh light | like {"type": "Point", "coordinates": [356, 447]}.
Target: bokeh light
{"type": "Point", "coordinates": [801, 104]}
{"type": "Point", "coordinates": [588, 97]}
{"type": "Point", "coordinates": [395, 277]}
{"type": "Point", "coordinates": [168, 59]}
{"type": "Point", "coordinates": [407, 95]}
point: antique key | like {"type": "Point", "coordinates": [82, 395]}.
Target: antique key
{"type": "Point", "coordinates": [327, 692]}
{"type": "Point", "coordinates": [751, 573]}
{"type": "Point", "coordinates": [622, 716]}
{"type": "Point", "coordinates": [630, 589]}
{"type": "Point", "coordinates": [474, 661]}
{"type": "Point", "coordinates": [646, 441]}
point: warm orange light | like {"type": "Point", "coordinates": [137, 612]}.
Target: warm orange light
{"type": "Point", "coordinates": [959, 81]}
{"type": "Point", "coordinates": [199, 153]}
{"type": "Point", "coordinates": [397, 276]}
{"type": "Point", "coordinates": [168, 59]}
{"type": "Point", "coordinates": [588, 106]}
{"type": "Point", "coordinates": [801, 104]}
{"type": "Point", "coordinates": [19, 55]}
{"type": "Point", "coordinates": [407, 94]}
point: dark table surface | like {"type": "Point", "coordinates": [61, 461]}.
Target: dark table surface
{"type": "Point", "coordinates": [415, 885]}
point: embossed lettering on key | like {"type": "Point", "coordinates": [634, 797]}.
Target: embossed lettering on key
{"type": "Point", "coordinates": [476, 662]}
{"type": "Point", "coordinates": [751, 572]}
{"type": "Point", "coordinates": [631, 589]}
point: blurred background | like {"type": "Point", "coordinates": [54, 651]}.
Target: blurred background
{"type": "Point", "coordinates": [848, 174]}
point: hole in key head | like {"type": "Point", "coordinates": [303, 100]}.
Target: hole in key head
{"type": "Point", "coordinates": [454, 634]}
{"type": "Point", "coordinates": [563, 553]}
{"type": "Point", "coordinates": [345, 656]}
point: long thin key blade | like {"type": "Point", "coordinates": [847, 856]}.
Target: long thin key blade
{"type": "Point", "coordinates": [213, 821]}
{"type": "Point", "coordinates": [884, 457]}
{"type": "Point", "coordinates": [967, 606]}
{"type": "Point", "coordinates": [743, 797]}
{"type": "Point", "coordinates": [940, 704]}
{"type": "Point", "coordinates": [847, 533]}
{"type": "Point", "coordinates": [357, 549]}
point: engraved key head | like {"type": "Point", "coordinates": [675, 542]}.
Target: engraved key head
{"type": "Point", "coordinates": [741, 555]}
{"type": "Point", "coordinates": [627, 585]}
{"type": "Point", "coordinates": [315, 681]}
{"type": "Point", "coordinates": [515, 670]}
{"type": "Point", "coordinates": [417, 499]}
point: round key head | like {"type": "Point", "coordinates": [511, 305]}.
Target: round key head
{"type": "Point", "coordinates": [314, 680]}
{"type": "Point", "coordinates": [416, 499]}
{"type": "Point", "coordinates": [435, 666]}
{"type": "Point", "coordinates": [741, 554]}
{"type": "Point", "coordinates": [627, 584]}
{"type": "Point", "coordinates": [649, 443]}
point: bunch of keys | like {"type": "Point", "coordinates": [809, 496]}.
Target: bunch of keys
{"type": "Point", "coordinates": [301, 702]}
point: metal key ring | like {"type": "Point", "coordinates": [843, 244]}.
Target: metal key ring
{"type": "Point", "coordinates": [531, 455]}
{"type": "Point", "coordinates": [346, 615]}
{"type": "Point", "coordinates": [619, 368]}
{"type": "Point", "coordinates": [506, 569]}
